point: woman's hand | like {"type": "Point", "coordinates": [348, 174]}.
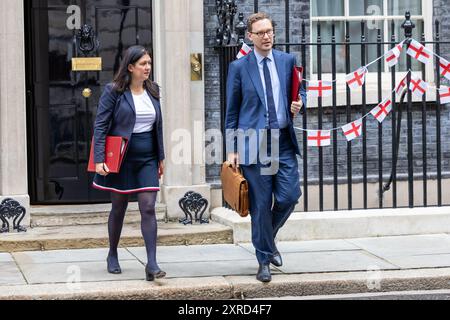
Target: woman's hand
{"type": "Point", "coordinates": [102, 169]}
{"type": "Point", "coordinates": [161, 169]}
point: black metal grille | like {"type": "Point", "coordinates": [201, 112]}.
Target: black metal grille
{"type": "Point", "coordinates": [228, 52]}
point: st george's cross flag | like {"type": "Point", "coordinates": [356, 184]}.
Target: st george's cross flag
{"type": "Point", "coordinates": [245, 50]}
{"type": "Point", "coordinates": [320, 88]}
{"type": "Point", "coordinates": [353, 130]}
{"type": "Point", "coordinates": [393, 54]}
{"type": "Point", "coordinates": [444, 67]}
{"type": "Point", "coordinates": [382, 110]}
{"type": "Point", "coordinates": [401, 86]}
{"type": "Point", "coordinates": [419, 52]}
{"type": "Point", "coordinates": [444, 94]}
{"type": "Point", "coordinates": [357, 78]}
{"type": "Point", "coordinates": [417, 86]}
{"type": "Point", "coordinates": [319, 138]}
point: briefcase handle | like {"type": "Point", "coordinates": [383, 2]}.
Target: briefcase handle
{"type": "Point", "coordinates": [230, 165]}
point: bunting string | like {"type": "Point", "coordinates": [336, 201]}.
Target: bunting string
{"type": "Point", "coordinates": [357, 78]}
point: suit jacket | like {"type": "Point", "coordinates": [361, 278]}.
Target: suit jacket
{"type": "Point", "coordinates": [246, 104]}
{"type": "Point", "coordinates": [116, 116]}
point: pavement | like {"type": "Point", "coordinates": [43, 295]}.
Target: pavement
{"type": "Point", "coordinates": [227, 271]}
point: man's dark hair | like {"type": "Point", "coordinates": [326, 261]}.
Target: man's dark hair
{"type": "Point", "coordinates": [257, 17]}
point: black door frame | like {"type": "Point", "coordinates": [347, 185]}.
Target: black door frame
{"type": "Point", "coordinates": [31, 113]}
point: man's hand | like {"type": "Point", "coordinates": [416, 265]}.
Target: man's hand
{"type": "Point", "coordinates": [233, 158]}
{"type": "Point", "coordinates": [296, 106]}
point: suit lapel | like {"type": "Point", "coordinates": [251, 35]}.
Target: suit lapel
{"type": "Point", "coordinates": [281, 68]}
{"type": "Point", "coordinates": [129, 99]}
{"type": "Point", "coordinates": [253, 70]}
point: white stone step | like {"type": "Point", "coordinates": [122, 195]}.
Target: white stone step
{"type": "Point", "coordinates": [92, 214]}
{"type": "Point", "coordinates": [345, 224]}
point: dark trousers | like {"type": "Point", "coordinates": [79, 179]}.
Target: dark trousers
{"type": "Point", "coordinates": [272, 197]}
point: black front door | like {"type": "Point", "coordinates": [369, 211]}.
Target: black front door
{"type": "Point", "coordinates": [60, 118]}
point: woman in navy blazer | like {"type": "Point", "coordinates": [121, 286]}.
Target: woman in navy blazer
{"type": "Point", "coordinates": [130, 107]}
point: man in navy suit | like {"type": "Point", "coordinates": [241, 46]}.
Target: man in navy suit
{"type": "Point", "coordinates": [261, 137]}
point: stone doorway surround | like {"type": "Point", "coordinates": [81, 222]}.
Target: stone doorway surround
{"type": "Point", "coordinates": [178, 30]}
{"type": "Point", "coordinates": [13, 125]}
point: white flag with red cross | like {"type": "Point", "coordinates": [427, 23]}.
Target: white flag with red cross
{"type": "Point", "coordinates": [444, 67]}
{"type": "Point", "coordinates": [357, 78]}
{"type": "Point", "coordinates": [245, 50]}
{"type": "Point", "coordinates": [401, 86]}
{"type": "Point", "coordinates": [393, 54]}
{"type": "Point", "coordinates": [417, 86]}
{"type": "Point", "coordinates": [419, 52]}
{"type": "Point", "coordinates": [319, 138]}
{"type": "Point", "coordinates": [320, 88]}
{"type": "Point", "coordinates": [381, 111]}
{"type": "Point", "coordinates": [444, 94]}
{"type": "Point", "coordinates": [353, 130]}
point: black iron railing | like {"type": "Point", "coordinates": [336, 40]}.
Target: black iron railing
{"type": "Point", "coordinates": [228, 52]}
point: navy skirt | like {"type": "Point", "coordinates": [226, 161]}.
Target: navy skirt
{"type": "Point", "coordinates": [139, 170]}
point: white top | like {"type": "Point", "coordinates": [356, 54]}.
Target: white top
{"type": "Point", "coordinates": [145, 113]}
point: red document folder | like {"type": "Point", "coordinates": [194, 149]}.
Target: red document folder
{"type": "Point", "coordinates": [115, 148]}
{"type": "Point", "coordinates": [297, 78]}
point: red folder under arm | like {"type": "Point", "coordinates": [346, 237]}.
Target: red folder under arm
{"type": "Point", "coordinates": [115, 148]}
{"type": "Point", "coordinates": [297, 78]}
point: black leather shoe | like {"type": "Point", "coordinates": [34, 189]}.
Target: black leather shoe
{"type": "Point", "coordinates": [152, 275]}
{"type": "Point", "coordinates": [263, 274]}
{"type": "Point", "coordinates": [276, 260]}
{"type": "Point", "coordinates": [113, 265]}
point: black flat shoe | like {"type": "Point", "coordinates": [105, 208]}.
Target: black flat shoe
{"type": "Point", "coordinates": [152, 275]}
{"type": "Point", "coordinates": [113, 265]}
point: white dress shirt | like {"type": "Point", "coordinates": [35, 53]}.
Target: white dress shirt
{"type": "Point", "coordinates": [276, 87]}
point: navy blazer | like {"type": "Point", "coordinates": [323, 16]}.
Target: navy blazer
{"type": "Point", "coordinates": [116, 116]}
{"type": "Point", "coordinates": [246, 104]}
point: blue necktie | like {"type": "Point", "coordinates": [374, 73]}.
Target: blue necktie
{"type": "Point", "coordinates": [273, 121]}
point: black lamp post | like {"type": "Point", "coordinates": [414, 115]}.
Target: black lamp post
{"type": "Point", "coordinates": [408, 25]}
{"type": "Point", "coordinates": [226, 10]}
{"type": "Point", "coordinates": [240, 28]}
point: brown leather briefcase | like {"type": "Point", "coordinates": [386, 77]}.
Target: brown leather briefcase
{"type": "Point", "coordinates": [235, 189]}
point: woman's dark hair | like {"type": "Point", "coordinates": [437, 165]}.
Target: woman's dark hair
{"type": "Point", "coordinates": [122, 79]}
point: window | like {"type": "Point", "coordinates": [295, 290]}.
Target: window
{"type": "Point", "coordinates": [377, 14]}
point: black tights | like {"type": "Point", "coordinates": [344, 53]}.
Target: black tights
{"type": "Point", "coordinates": [147, 201]}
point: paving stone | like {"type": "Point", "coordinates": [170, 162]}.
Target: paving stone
{"type": "Point", "coordinates": [225, 252]}
{"type": "Point", "coordinates": [421, 261]}
{"type": "Point", "coordinates": [212, 268]}
{"type": "Point", "coordinates": [10, 274]}
{"type": "Point", "coordinates": [68, 256]}
{"type": "Point", "coordinates": [308, 246]}
{"type": "Point", "coordinates": [6, 257]}
{"type": "Point", "coordinates": [386, 247]}
{"type": "Point", "coordinates": [332, 261]}
{"type": "Point", "coordinates": [73, 273]}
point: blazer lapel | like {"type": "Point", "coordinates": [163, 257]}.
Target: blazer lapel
{"type": "Point", "coordinates": [157, 106]}
{"type": "Point", "coordinates": [253, 70]}
{"type": "Point", "coordinates": [129, 99]}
